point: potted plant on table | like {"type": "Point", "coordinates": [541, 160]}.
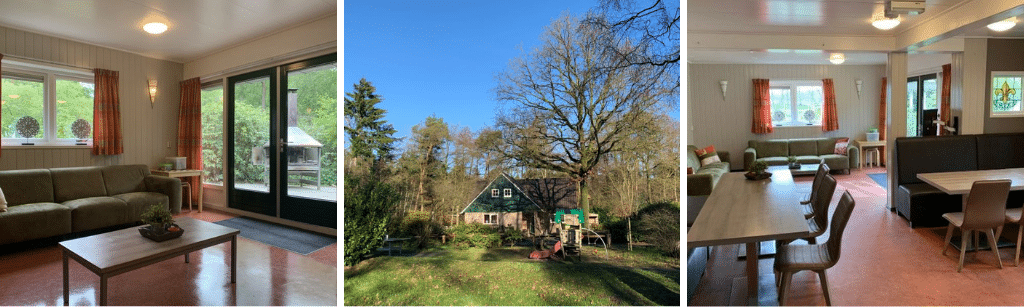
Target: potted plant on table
{"type": "Point", "coordinates": [158, 218]}
{"type": "Point", "coordinates": [792, 162]}
{"type": "Point", "coordinates": [758, 171]}
{"type": "Point", "coordinates": [872, 135]}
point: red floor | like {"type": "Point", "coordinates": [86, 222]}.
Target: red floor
{"type": "Point", "coordinates": [883, 262]}
{"type": "Point", "coordinates": [267, 276]}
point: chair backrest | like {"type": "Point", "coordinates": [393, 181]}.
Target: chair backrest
{"type": "Point", "coordinates": [822, 199]}
{"type": "Point", "coordinates": [986, 205]}
{"type": "Point", "coordinates": [839, 218]}
{"type": "Point", "coordinates": [822, 171]}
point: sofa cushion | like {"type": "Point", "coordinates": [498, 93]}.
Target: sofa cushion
{"type": "Point", "coordinates": [138, 202]}
{"type": "Point", "coordinates": [691, 157]}
{"type": "Point", "coordinates": [775, 160]}
{"type": "Point", "coordinates": [27, 186]}
{"type": "Point", "coordinates": [772, 148]}
{"type": "Point", "coordinates": [77, 182]}
{"type": "Point", "coordinates": [33, 221]}
{"type": "Point", "coordinates": [707, 155]}
{"type": "Point", "coordinates": [803, 147]}
{"type": "Point", "coordinates": [826, 146]}
{"type": "Point", "coordinates": [808, 159]}
{"type": "Point", "coordinates": [97, 212]}
{"type": "Point", "coordinates": [922, 155]}
{"type": "Point", "coordinates": [120, 179]}
{"type": "Point", "coordinates": [996, 151]}
{"type": "Point", "coordinates": [841, 144]}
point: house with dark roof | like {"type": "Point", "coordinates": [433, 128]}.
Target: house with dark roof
{"type": "Point", "coordinates": [526, 204]}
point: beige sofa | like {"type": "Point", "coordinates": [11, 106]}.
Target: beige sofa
{"type": "Point", "coordinates": [811, 150]}
{"type": "Point", "coordinates": [704, 179]}
{"type": "Point", "coordinates": [44, 203]}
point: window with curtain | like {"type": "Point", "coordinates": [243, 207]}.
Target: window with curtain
{"type": "Point", "coordinates": [212, 97]}
{"type": "Point", "coordinates": [1005, 94]}
{"type": "Point", "coordinates": [796, 103]}
{"type": "Point", "coordinates": [64, 117]}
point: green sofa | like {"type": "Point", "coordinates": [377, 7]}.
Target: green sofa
{"type": "Point", "coordinates": [51, 202]}
{"type": "Point", "coordinates": [703, 179]}
{"type": "Point", "coordinates": [811, 150]}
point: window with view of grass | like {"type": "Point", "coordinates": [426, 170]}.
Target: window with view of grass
{"type": "Point", "coordinates": [44, 105]}
{"type": "Point", "coordinates": [212, 97]}
{"type": "Point", "coordinates": [1005, 94]}
{"type": "Point", "coordinates": [796, 103]}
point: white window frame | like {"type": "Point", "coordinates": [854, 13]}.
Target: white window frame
{"type": "Point", "coordinates": [490, 219]}
{"type": "Point", "coordinates": [791, 85]}
{"type": "Point", "coordinates": [991, 94]}
{"type": "Point", "coordinates": [494, 193]}
{"type": "Point", "coordinates": [508, 192]}
{"type": "Point", "coordinates": [49, 73]}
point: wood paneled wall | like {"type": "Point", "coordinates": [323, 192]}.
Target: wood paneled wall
{"type": "Point", "coordinates": [150, 130]}
{"type": "Point", "coordinates": [725, 122]}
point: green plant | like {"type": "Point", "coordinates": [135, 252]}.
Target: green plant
{"type": "Point", "coordinates": [157, 215]}
{"type": "Point", "coordinates": [419, 224]}
{"type": "Point", "coordinates": [660, 226]}
{"type": "Point", "coordinates": [791, 159]}
{"type": "Point", "coordinates": [368, 205]}
{"type": "Point", "coordinates": [759, 167]}
{"type": "Point", "coordinates": [512, 236]}
{"type": "Point", "coordinates": [474, 235]}
{"type": "Point", "coordinates": [872, 130]}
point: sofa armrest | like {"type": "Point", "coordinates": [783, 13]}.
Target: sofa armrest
{"type": "Point", "coordinates": [854, 155]}
{"type": "Point", "coordinates": [699, 184]}
{"type": "Point", "coordinates": [167, 186]}
{"type": "Point", "coordinates": [724, 156]}
{"type": "Point", "coordinates": [749, 156]}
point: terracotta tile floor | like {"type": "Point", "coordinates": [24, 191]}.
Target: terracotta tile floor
{"type": "Point", "coordinates": [267, 276]}
{"type": "Point", "coordinates": [883, 262]}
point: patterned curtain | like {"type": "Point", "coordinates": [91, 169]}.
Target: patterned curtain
{"type": "Point", "coordinates": [190, 131]}
{"type": "Point", "coordinates": [829, 120]}
{"type": "Point", "coordinates": [944, 115]}
{"type": "Point", "coordinates": [762, 122]}
{"type": "Point", "coordinates": [106, 116]}
{"type": "Point", "coordinates": [881, 115]}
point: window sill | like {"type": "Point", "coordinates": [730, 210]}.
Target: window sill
{"type": "Point", "coordinates": [1011, 115]}
{"type": "Point", "coordinates": [19, 146]}
{"type": "Point", "coordinates": [799, 126]}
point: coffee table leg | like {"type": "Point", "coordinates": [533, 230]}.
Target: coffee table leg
{"type": "Point", "coordinates": [234, 257]}
{"type": "Point", "coordinates": [67, 289]}
{"type": "Point", "coordinates": [753, 249]}
{"type": "Point", "coordinates": [103, 290]}
{"type": "Point", "coordinates": [186, 257]}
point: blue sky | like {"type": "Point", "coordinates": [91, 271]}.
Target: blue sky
{"type": "Point", "coordinates": [440, 57]}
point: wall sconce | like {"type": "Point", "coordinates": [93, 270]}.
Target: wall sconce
{"type": "Point", "coordinates": [859, 84]}
{"type": "Point", "coordinates": [152, 91]}
{"type": "Point", "coordinates": [724, 85]}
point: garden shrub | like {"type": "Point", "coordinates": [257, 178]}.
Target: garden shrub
{"type": "Point", "coordinates": [418, 224]}
{"type": "Point", "coordinates": [368, 204]}
{"type": "Point", "coordinates": [512, 236]}
{"type": "Point", "coordinates": [659, 225]}
{"type": "Point", "coordinates": [474, 235]}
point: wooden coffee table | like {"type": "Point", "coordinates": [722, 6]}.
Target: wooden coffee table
{"type": "Point", "coordinates": [113, 253]}
{"type": "Point", "coordinates": [804, 170]}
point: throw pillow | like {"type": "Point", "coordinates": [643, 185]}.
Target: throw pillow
{"type": "Point", "coordinates": [841, 144]}
{"type": "Point", "coordinates": [707, 155]}
{"type": "Point", "coordinates": [3, 202]}
{"type": "Point", "coordinates": [689, 170]}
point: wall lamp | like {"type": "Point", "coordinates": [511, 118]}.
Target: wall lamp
{"type": "Point", "coordinates": [724, 84]}
{"type": "Point", "coordinates": [152, 91]}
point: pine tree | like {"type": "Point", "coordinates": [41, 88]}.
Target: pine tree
{"type": "Point", "coordinates": [369, 134]}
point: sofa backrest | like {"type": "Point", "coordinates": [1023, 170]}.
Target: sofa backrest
{"type": "Point", "coordinates": [826, 146]}
{"type": "Point", "coordinates": [691, 157]}
{"type": "Point", "coordinates": [26, 186]}
{"type": "Point", "coordinates": [770, 148]}
{"type": "Point", "coordinates": [120, 179]}
{"type": "Point", "coordinates": [916, 155]}
{"type": "Point", "coordinates": [77, 182]}
{"type": "Point", "coordinates": [803, 147]}
{"type": "Point", "coordinates": [1003, 150]}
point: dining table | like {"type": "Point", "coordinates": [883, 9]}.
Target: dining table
{"type": "Point", "coordinates": [742, 211]}
{"type": "Point", "coordinates": [960, 183]}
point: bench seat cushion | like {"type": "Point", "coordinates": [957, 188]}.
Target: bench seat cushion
{"type": "Point", "coordinates": [33, 221]}
{"type": "Point", "coordinates": [923, 205]}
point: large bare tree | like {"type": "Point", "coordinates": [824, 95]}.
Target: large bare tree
{"type": "Point", "coordinates": [573, 99]}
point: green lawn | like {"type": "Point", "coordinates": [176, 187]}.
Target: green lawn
{"type": "Point", "coordinates": [504, 276]}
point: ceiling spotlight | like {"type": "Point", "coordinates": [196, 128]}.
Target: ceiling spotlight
{"type": "Point", "coordinates": [1003, 25]}
{"type": "Point", "coordinates": [155, 28]}
{"type": "Point", "coordinates": [885, 23]}
{"type": "Point", "coordinates": [837, 58]}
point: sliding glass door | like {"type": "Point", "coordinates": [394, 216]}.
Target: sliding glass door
{"type": "Point", "coordinates": [283, 139]}
{"type": "Point", "coordinates": [922, 105]}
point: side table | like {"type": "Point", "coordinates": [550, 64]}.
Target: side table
{"type": "Point", "coordinates": [878, 149]}
{"type": "Point", "coordinates": [185, 173]}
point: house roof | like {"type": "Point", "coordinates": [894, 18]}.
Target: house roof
{"type": "Point", "coordinates": [518, 202]}
{"type": "Point", "coordinates": [550, 193]}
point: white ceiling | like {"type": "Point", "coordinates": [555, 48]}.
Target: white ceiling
{"type": "Point", "coordinates": [196, 27]}
{"type": "Point", "coordinates": [813, 23]}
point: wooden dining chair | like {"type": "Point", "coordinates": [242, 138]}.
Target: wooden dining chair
{"type": "Point", "coordinates": [818, 176]}
{"type": "Point", "coordinates": [819, 222]}
{"type": "Point", "coordinates": [1013, 216]}
{"type": "Point", "coordinates": [985, 210]}
{"type": "Point", "coordinates": [793, 258]}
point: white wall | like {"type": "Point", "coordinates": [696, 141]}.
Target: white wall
{"type": "Point", "coordinates": [147, 128]}
{"type": "Point", "coordinates": [320, 32]}
{"type": "Point", "coordinates": [725, 123]}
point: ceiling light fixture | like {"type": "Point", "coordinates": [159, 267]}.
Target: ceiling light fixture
{"type": "Point", "coordinates": [155, 27]}
{"type": "Point", "coordinates": [885, 23]}
{"type": "Point", "coordinates": [837, 58]}
{"type": "Point", "coordinates": [1003, 25]}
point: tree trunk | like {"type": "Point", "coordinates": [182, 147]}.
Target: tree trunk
{"type": "Point", "coordinates": [585, 201]}
{"type": "Point", "coordinates": [420, 192]}
{"type": "Point", "coordinates": [629, 233]}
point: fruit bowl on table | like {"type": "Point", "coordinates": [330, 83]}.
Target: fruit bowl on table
{"type": "Point", "coordinates": [755, 176]}
{"type": "Point", "coordinates": [147, 231]}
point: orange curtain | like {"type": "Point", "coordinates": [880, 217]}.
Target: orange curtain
{"type": "Point", "coordinates": [190, 131]}
{"type": "Point", "coordinates": [830, 120]}
{"type": "Point", "coordinates": [106, 116]}
{"type": "Point", "coordinates": [762, 122]}
{"type": "Point", "coordinates": [881, 115]}
{"type": "Point", "coordinates": [944, 115]}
